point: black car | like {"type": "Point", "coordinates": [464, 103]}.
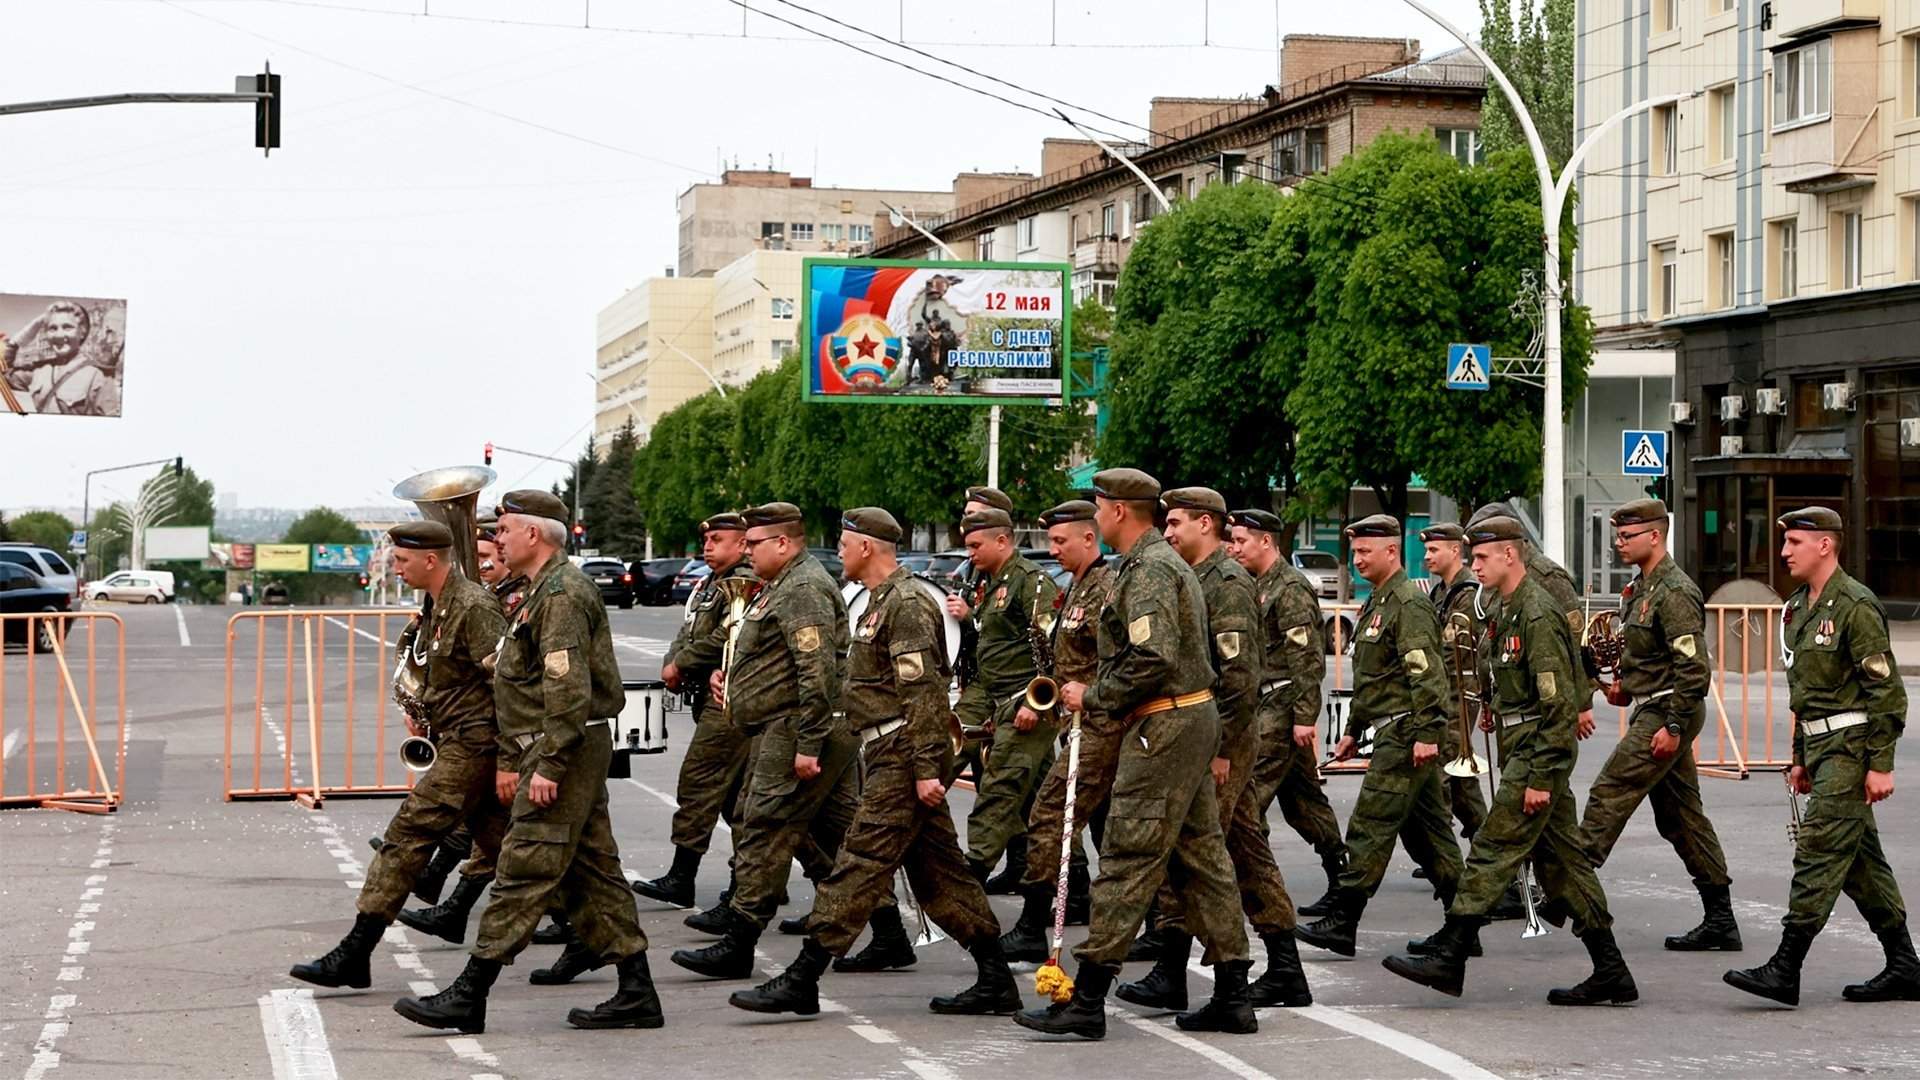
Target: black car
{"type": "Point", "coordinates": [616, 584]}
{"type": "Point", "coordinates": [830, 558]}
{"type": "Point", "coordinates": [692, 573]}
{"type": "Point", "coordinates": [23, 592]}
{"type": "Point", "coordinates": [653, 580]}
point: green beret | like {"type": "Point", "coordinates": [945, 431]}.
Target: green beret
{"type": "Point", "coordinates": [1379, 525]}
{"type": "Point", "coordinates": [985, 519]}
{"type": "Point", "coordinates": [1204, 499]}
{"type": "Point", "coordinates": [1641, 512]}
{"type": "Point", "coordinates": [1496, 527]}
{"type": "Point", "coordinates": [1126, 485]}
{"type": "Point", "coordinates": [1445, 530]}
{"type": "Point", "coordinates": [1069, 511]}
{"type": "Point", "coordinates": [872, 521]}
{"type": "Point", "coordinates": [421, 535]}
{"type": "Point", "coordinates": [1813, 519]}
{"type": "Point", "coordinates": [533, 503]}
{"type": "Point", "coordinates": [1263, 520]}
{"type": "Point", "coordinates": [1492, 509]}
{"type": "Point", "coordinates": [773, 513]}
{"type": "Point", "coordinates": [727, 522]}
{"type": "Point", "coordinates": [485, 525]}
{"type": "Point", "coordinates": [994, 497]}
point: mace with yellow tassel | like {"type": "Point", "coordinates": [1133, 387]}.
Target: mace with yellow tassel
{"type": "Point", "coordinates": [1052, 980]}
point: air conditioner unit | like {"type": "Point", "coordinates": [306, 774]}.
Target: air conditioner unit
{"type": "Point", "coordinates": [1769, 401]}
{"type": "Point", "coordinates": [1837, 396]}
{"type": "Point", "coordinates": [1731, 445]}
{"type": "Point", "coordinates": [1680, 412]}
{"type": "Point", "coordinates": [1910, 432]}
{"type": "Point", "coordinates": [1733, 407]}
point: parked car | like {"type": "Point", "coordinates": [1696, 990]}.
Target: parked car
{"type": "Point", "coordinates": [948, 567]}
{"type": "Point", "coordinates": [42, 563]}
{"type": "Point", "coordinates": [653, 579]}
{"type": "Point", "coordinates": [23, 592]}
{"type": "Point", "coordinates": [1323, 569]}
{"type": "Point", "coordinates": [830, 558]}
{"type": "Point", "coordinates": [692, 573]}
{"type": "Point", "coordinates": [616, 584]}
{"type": "Point", "coordinates": [275, 594]}
{"type": "Point", "coordinates": [133, 587]}
{"type": "Point", "coordinates": [916, 562]}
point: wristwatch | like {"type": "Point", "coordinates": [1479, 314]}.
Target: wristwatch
{"type": "Point", "coordinates": [1673, 728]}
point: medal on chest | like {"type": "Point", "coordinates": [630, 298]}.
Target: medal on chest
{"type": "Point", "coordinates": [1645, 606]}
{"type": "Point", "coordinates": [869, 625]}
{"type": "Point", "coordinates": [1823, 634]}
{"type": "Point", "coordinates": [1000, 598]}
{"type": "Point", "coordinates": [1510, 648]}
{"type": "Point", "coordinates": [1373, 628]}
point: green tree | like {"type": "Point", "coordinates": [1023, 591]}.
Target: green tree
{"type": "Point", "coordinates": [4, 535]}
{"type": "Point", "coordinates": [615, 524]}
{"type": "Point", "coordinates": [1534, 45]}
{"type": "Point", "coordinates": [42, 527]}
{"type": "Point", "coordinates": [682, 475]}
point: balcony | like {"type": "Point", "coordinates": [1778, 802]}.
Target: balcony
{"type": "Point", "coordinates": [1100, 255]}
{"type": "Point", "coordinates": [1793, 18]}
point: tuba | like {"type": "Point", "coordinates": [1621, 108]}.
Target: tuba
{"type": "Point", "coordinates": [450, 496]}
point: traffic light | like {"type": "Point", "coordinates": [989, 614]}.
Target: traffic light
{"type": "Point", "coordinates": [1660, 487]}
{"type": "Point", "coordinates": [365, 581]}
{"type": "Point", "coordinates": [266, 111]}
{"type": "Point", "coordinates": [579, 530]}
{"type": "Point", "coordinates": [488, 458]}
{"type": "Point", "coordinates": [179, 467]}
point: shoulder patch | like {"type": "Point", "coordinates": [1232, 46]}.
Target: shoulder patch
{"type": "Point", "coordinates": [1549, 686]}
{"type": "Point", "coordinates": [1416, 660]}
{"type": "Point", "coordinates": [1876, 667]}
{"type": "Point", "coordinates": [1140, 630]}
{"type": "Point", "coordinates": [1686, 645]}
{"type": "Point", "coordinates": [1229, 642]}
{"type": "Point", "coordinates": [558, 664]}
{"type": "Point", "coordinates": [1576, 623]}
{"type": "Point", "coordinates": [807, 638]}
{"type": "Point", "coordinates": [909, 667]}
{"type": "Point", "coordinates": [1300, 636]}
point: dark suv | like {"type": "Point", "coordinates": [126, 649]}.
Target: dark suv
{"type": "Point", "coordinates": [653, 579]}
{"type": "Point", "coordinates": [616, 584]}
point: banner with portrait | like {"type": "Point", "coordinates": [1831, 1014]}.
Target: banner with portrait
{"type": "Point", "coordinates": [61, 355]}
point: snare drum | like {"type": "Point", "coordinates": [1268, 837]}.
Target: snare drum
{"type": "Point", "coordinates": [644, 720]}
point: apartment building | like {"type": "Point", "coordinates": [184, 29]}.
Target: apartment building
{"type": "Point", "coordinates": [771, 210]}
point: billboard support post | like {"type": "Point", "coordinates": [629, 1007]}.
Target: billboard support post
{"type": "Point", "coordinates": [993, 447]}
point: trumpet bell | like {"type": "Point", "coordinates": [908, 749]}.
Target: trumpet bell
{"type": "Point", "coordinates": [1464, 767]}
{"type": "Point", "coordinates": [417, 754]}
{"type": "Point", "coordinates": [1043, 694]}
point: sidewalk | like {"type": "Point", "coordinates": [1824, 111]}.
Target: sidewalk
{"type": "Point", "coordinates": [1905, 636]}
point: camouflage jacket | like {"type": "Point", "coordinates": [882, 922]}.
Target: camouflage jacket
{"type": "Point", "coordinates": [1076, 636]}
{"type": "Point", "coordinates": [1461, 628]}
{"type": "Point", "coordinates": [1005, 615]}
{"type": "Point", "coordinates": [511, 591]}
{"type": "Point", "coordinates": [1839, 660]}
{"type": "Point", "coordinates": [1153, 633]}
{"type": "Point", "coordinates": [1664, 622]}
{"type": "Point", "coordinates": [452, 639]}
{"type": "Point", "coordinates": [1565, 594]}
{"type": "Point", "coordinates": [1536, 673]}
{"type": "Point", "coordinates": [898, 668]}
{"type": "Point", "coordinates": [1295, 650]}
{"type": "Point", "coordinates": [1235, 642]}
{"type": "Point", "coordinates": [556, 669]}
{"type": "Point", "coordinates": [702, 641]}
{"type": "Point", "coordinates": [1396, 664]}
{"type": "Point", "coordinates": [789, 659]}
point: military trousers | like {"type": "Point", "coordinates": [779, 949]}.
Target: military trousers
{"type": "Point", "coordinates": [892, 830]}
{"type": "Point", "coordinates": [563, 855]}
{"type": "Point", "coordinates": [1093, 784]}
{"type": "Point", "coordinates": [1632, 774]}
{"type": "Point", "coordinates": [1551, 839]}
{"type": "Point", "coordinates": [1839, 848]}
{"type": "Point", "coordinates": [1468, 804]}
{"type": "Point", "coordinates": [711, 776]}
{"type": "Point", "coordinates": [1263, 893]}
{"type": "Point", "coordinates": [782, 816]}
{"type": "Point", "coordinates": [1399, 801]}
{"type": "Point", "coordinates": [1288, 773]}
{"type": "Point", "coordinates": [1016, 763]}
{"type": "Point", "coordinates": [1163, 804]}
{"type": "Point", "coordinates": [457, 791]}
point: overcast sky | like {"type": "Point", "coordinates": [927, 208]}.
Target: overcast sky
{"type": "Point", "coordinates": [418, 269]}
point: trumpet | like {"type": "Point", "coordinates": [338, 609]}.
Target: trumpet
{"type": "Point", "coordinates": [1534, 927]}
{"type": "Point", "coordinates": [1465, 763]}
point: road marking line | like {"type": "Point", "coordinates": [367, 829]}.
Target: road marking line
{"type": "Point", "coordinates": [181, 617]}
{"type": "Point", "coordinates": [46, 1049]}
{"type": "Point", "coordinates": [348, 626]}
{"type": "Point", "coordinates": [296, 1036]}
{"type": "Point", "coordinates": [6, 745]}
{"type": "Point", "coordinates": [872, 1034]}
{"type": "Point", "coordinates": [645, 646]}
{"type": "Point", "coordinates": [929, 1070]}
{"type": "Point", "coordinates": [1181, 1039]}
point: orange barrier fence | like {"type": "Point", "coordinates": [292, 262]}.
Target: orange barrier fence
{"type": "Point", "coordinates": [317, 730]}
{"type": "Point", "coordinates": [52, 663]}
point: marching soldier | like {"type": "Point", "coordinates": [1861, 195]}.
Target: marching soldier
{"type": "Point", "coordinates": [1663, 675]}
{"type": "Point", "coordinates": [715, 765]}
{"type": "Point", "coordinates": [1156, 674]}
{"type": "Point", "coordinates": [896, 701]}
{"type": "Point", "coordinates": [457, 628]}
{"type": "Point", "coordinates": [1849, 709]}
{"type": "Point", "coordinates": [1074, 539]}
{"type": "Point", "coordinates": [1560, 586]}
{"type": "Point", "coordinates": [556, 688]}
{"type": "Point", "coordinates": [1400, 690]}
{"type": "Point", "coordinates": [965, 604]}
{"type": "Point", "coordinates": [1537, 685]}
{"type": "Point", "coordinates": [1454, 589]}
{"type": "Point", "coordinates": [508, 587]}
{"type": "Point", "coordinates": [1287, 769]}
{"type": "Point", "coordinates": [1196, 518]}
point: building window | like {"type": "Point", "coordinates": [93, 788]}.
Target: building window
{"type": "Point", "coordinates": [1803, 83]}
{"type": "Point", "coordinates": [779, 347]}
{"type": "Point", "coordinates": [1666, 140]}
{"type": "Point", "coordinates": [1810, 412]}
{"type": "Point", "coordinates": [1666, 15]}
{"type": "Point", "coordinates": [1462, 143]}
{"type": "Point", "coordinates": [984, 247]}
{"type": "Point", "coordinates": [1784, 265]}
{"type": "Point", "coordinates": [830, 234]}
{"type": "Point", "coordinates": [1027, 228]}
{"type": "Point", "coordinates": [1666, 271]}
{"type": "Point", "coordinates": [1109, 223]}
{"type": "Point", "coordinates": [1316, 150]}
{"type": "Point", "coordinates": [1190, 187]}
{"type": "Point", "coordinates": [1723, 124]}
{"type": "Point", "coordinates": [1720, 270]}
{"type": "Point", "coordinates": [1845, 241]}
{"type": "Point", "coordinates": [800, 231]}
{"type": "Point", "coordinates": [860, 234]}
{"type": "Point", "coordinates": [1766, 125]}
{"type": "Point", "coordinates": [1910, 72]}
{"type": "Point", "coordinates": [1723, 5]}
{"type": "Point", "coordinates": [1286, 154]}
{"type": "Point", "coordinates": [1910, 207]}
{"type": "Point", "coordinates": [782, 308]}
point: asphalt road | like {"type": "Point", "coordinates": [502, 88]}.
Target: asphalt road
{"type": "Point", "coordinates": [154, 942]}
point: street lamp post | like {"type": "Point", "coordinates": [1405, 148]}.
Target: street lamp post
{"type": "Point", "coordinates": [498, 449]}
{"type": "Point", "coordinates": [86, 501]}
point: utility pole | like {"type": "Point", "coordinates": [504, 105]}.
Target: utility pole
{"type": "Point", "coordinates": [86, 500]}
{"type": "Point", "coordinates": [575, 463]}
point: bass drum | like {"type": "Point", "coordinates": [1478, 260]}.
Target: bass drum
{"type": "Point", "coordinates": [857, 595]}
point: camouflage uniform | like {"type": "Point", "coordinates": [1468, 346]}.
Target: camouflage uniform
{"type": "Point", "coordinates": [556, 687]}
{"type": "Point", "coordinates": [1454, 601]}
{"type": "Point", "coordinates": [1153, 653]}
{"type": "Point", "coordinates": [1076, 658]}
{"type": "Point", "coordinates": [509, 592]}
{"type": "Point", "coordinates": [1290, 675]}
{"type": "Point", "coordinates": [715, 766]}
{"type": "Point", "coordinates": [1018, 759]}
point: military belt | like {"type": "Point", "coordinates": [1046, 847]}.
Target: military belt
{"type": "Point", "coordinates": [1836, 722]}
{"type": "Point", "coordinates": [1516, 721]}
{"type": "Point", "coordinates": [880, 730]}
{"type": "Point", "coordinates": [1168, 704]}
{"type": "Point", "coordinates": [1274, 684]}
{"type": "Point", "coordinates": [1658, 694]}
{"type": "Point", "coordinates": [525, 741]}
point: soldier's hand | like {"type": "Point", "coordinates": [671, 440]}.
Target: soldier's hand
{"type": "Point", "coordinates": [413, 726]}
{"type": "Point", "coordinates": [1665, 744]}
{"type": "Point", "coordinates": [504, 785]}
{"type": "Point", "coordinates": [1343, 749]}
{"type": "Point", "coordinates": [1424, 753]}
{"type": "Point", "coordinates": [671, 676]}
{"type": "Point", "coordinates": [804, 767]}
{"type": "Point", "coordinates": [717, 687]}
{"type": "Point", "coordinates": [1024, 719]}
{"type": "Point", "coordinates": [1074, 696]}
{"type": "Point", "coordinates": [1221, 768]}
{"type": "Point", "coordinates": [1616, 694]}
{"type": "Point", "coordinates": [931, 792]}
{"type": "Point", "coordinates": [1304, 735]}
{"type": "Point", "coordinates": [1533, 800]}
{"type": "Point", "coordinates": [1584, 728]}
{"type": "Point", "coordinates": [1798, 780]}
{"type": "Point", "coordinates": [957, 607]}
{"type": "Point", "coordinates": [542, 792]}
{"type": "Point", "coordinates": [1486, 720]}
{"type": "Point", "coordinates": [1879, 786]}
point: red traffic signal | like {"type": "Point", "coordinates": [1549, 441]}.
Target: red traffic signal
{"type": "Point", "coordinates": [488, 460]}
{"type": "Point", "coordinates": [579, 529]}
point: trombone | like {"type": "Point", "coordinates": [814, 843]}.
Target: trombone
{"type": "Point", "coordinates": [1465, 763]}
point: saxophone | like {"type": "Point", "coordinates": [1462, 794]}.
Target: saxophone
{"type": "Point", "coordinates": [1043, 691]}
{"type": "Point", "coordinates": [736, 618]}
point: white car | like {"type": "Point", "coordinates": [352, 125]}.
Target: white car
{"type": "Point", "coordinates": [133, 587]}
{"type": "Point", "coordinates": [44, 564]}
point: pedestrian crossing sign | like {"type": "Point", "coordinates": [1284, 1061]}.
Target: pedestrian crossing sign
{"type": "Point", "coordinates": [1467, 367]}
{"type": "Point", "coordinates": [1643, 453]}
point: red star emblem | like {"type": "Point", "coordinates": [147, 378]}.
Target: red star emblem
{"type": "Point", "coordinates": [865, 345]}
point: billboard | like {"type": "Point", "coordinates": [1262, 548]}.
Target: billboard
{"type": "Point", "coordinates": [341, 558]}
{"type": "Point", "coordinates": [175, 543]}
{"type": "Point", "coordinates": [60, 355]}
{"type": "Point", "coordinates": [280, 557]}
{"type": "Point", "coordinates": [232, 556]}
{"type": "Point", "coordinates": [966, 332]}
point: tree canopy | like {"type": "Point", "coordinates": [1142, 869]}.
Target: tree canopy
{"type": "Point", "coordinates": [42, 527]}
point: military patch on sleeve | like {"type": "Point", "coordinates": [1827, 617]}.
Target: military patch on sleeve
{"type": "Point", "coordinates": [1300, 635]}
{"type": "Point", "coordinates": [1549, 686]}
{"type": "Point", "coordinates": [1876, 667]}
{"type": "Point", "coordinates": [1416, 661]}
{"type": "Point", "coordinates": [909, 666]}
{"type": "Point", "coordinates": [558, 664]}
{"type": "Point", "coordinates": [1579, 624]}
{"type": "Point", "coordinates": [807, 638]}
{"type": "Point", "coordinates": [1140, 630]}
{"type": "Point", "coordinates": [1686, 645]}
{"type": "Point", "coordinates": [1229, 643]}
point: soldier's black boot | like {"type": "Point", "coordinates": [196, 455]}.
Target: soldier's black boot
{"type": "Point", "coordinates": [447, 920]}
{"type": "Point", "coordinates": [347, 964]}
{"type": "Point", "coordinates": [633, 1005]}
{"type": "Point", "coordinates": [1444, 968]}
{"type": "Point", "coordinates": [1229, 1011]}
{"type": "Point", "coordinates": [1779, 977]}
{"type": "Point", "coordinates": [676, 885]}
{"type": "Point", "coordinates": [794, 925]}
{"type": "Point", "coordinates": [981, 871]}
{"type": "Point", "coordinates": [1333, 865]}
{"type": "Point", "coordinates": [1084, 1014]}
{"type": "Point", "coordinates": [558, 931]}
{"type": "Point", "coordinates": [1079, 894]}
{"type": "Point", "coordinates": [1147, 945]}
{"type": "Point", "coordinates": [1337, 931]}
{"type": "Point", "coordinates": [888, 949]}
{"type": "Point", "coordinates": [1284, 983]}
{"type": "Point", "coordinates": [1511, 904]}
{"type": "Point", "coordinates": [729, 958]}
{"type": "Point", "coordinates": [795, 990]}
{"type": "Point", "coordinates": [993, 992]}
{"type": "Point", "coordinates": [1718, 932]}
{"type": "Point", "coordinates": [1900, 980]}
{"type": "Point", "coordinates": [1610, 984]}
{"type": "Point", "coordinates": [575, 960]}
{"type": "Point", "coordinates": [433, 879]}
{"type": "Point", "coordinates": [1007, 881]}
{"type": "Point", "coordinates": [1165, 987]}
{"type": "Point", "coordinates": [376, 842]}
{"type": "Point", "coordinates": [713, 920]}
{"type": "Point", "coordinates": [1428, 946]}
{"type": "Point", "coordinates": [463, 1005]}
{"type": "Point", "coordinates": [1027, 941]}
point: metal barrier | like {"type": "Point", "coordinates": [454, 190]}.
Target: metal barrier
{"type": "Point", "coordinates": [37, 661]}
{"type": "Point", "coordinates": [320, 725]}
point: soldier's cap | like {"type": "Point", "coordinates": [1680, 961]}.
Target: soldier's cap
{"type": "Point", "coordinates": [485, 525]}
{"type": "Point", "coordinates": [534, 503]}
{"type": "Point", "coordinates": [1445, 530]}
{"type": "Point", "coordinates": [421, 536]}
{"type": "Point", "coordinates": [872, 521]}
{"type": "Point", "coordinates": [725, 522]}
{"type": "Point", "coordinates": [985, 519]}
{"type": "Point", "coordinates": [1069, 511]}
{"type": "Point", "coordinates": [773, 513]}
{"type": "Point", "coordinates": [1195, 498]}
{"type": "Point", "coordinates": [1379, 525]}
{"type": "Point", "coordinates": [1641, 512]}
{"type": "Point", "coordinates": [1126, 485]}
{"type": "Point", "coordinates": [1496, 528]}
{"type": "Point", "coordinates": [1263, 520]}
{"type": "Point", "coordinates": [1813, 519]}
{"type": "Point", "coordinates": [992, 496]}
{"type": "Point", "coordinates": [1492, 509]}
